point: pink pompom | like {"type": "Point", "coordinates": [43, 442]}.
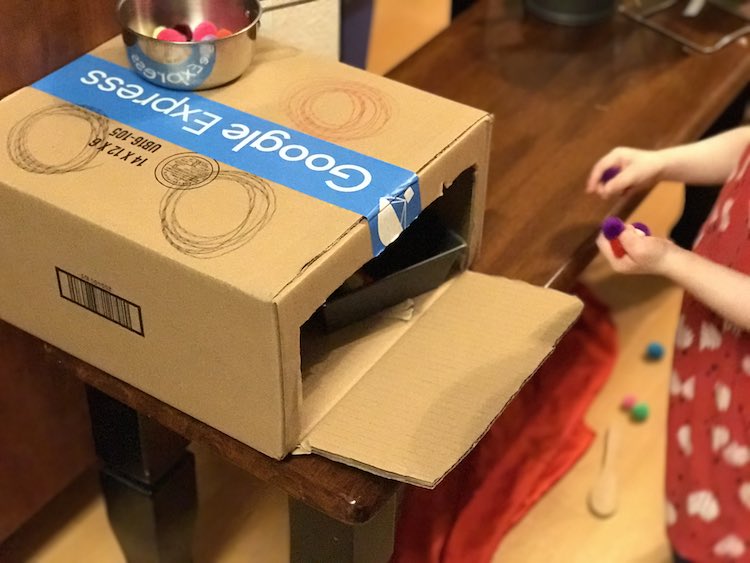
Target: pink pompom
{"type": "Point", "coordinates": [628, 402]}
{"type": "Point", "coordinates": [203, 29]}
{"type": "Point", "coordinates": [208, 37]}
{"type": "Point", "coordinates": [171, 35]}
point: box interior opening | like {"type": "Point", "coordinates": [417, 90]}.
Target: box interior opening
{"type": "Point", "coordinates": [370, 311]}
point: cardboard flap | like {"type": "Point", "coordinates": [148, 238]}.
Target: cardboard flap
{"type": "Point", "coordinates": [434, 394]}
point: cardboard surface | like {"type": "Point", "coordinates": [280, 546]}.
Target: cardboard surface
{"type": "Point", "coordinates": [189, 277]}
{"type": "Point", "coordinates": [436, 391]}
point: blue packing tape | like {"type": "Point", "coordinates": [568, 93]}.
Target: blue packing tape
{"type": "Point", "coordinates": [387, 195]}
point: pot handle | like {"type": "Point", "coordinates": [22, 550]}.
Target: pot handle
{"type": "Point", "coordinates": [281, 5]}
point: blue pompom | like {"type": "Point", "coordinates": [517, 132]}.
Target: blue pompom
{"type": "Point", "coordinates": [655, 351]}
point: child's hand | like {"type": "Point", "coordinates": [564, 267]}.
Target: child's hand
{"type": "Point", "coordinates": [644, 254]}
{"type": "Point", "coordinates": [636, 169]}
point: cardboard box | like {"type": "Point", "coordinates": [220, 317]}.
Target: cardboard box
{"type": "Point", "coordinates": [176, 245]}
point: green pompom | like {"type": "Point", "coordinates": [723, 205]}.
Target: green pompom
{"type": "Point", "coordinates": [639, 412]}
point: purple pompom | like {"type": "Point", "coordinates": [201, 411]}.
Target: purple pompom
{"type": "Point", "coordinates": [612, 227]}
{"type": "Point", "coordinates": [643, 228]}
{"type": "Point", "coordinates": [610, 173]}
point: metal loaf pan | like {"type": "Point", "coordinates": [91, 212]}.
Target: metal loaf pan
{"type": "Point", "coordinates": [422, 258]}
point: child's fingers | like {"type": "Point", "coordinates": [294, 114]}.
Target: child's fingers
{"type": "Point", "coordinates": [595, 177]}
{"type": "Point", "coordinates": [622, 264]}
{"type": "Point", "coordinates": [619, 184]}
{"type": "Point", "coordinates": [604, 247]}
{"type": "Point", "coordinates": [629, 235]}
{"type": "Point", "coordinates": [613, 159]}
{"type": "Point", "coordinates": [635, 240]}
{"type": "Point", "coordinates": [643, 250]}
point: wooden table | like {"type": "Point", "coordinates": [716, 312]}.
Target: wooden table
{"type": "Point", "coordinates": [561, 98]}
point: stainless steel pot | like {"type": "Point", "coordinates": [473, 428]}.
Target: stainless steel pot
{"type": "Point", "coordinates": [191, 65]}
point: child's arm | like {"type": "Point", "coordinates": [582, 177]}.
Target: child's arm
{"type": "Point", "coordinates": [709, 162]}
{"type": "Point", "coordinates": [725, 291]}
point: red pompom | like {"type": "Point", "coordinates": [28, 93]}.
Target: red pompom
{"type": "Point", "coordinates": [203, 29]}
{"type": "Point", "coordinates": [171, 35]}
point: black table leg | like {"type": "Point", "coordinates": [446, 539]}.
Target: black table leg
{"type": "Point", "coordinates": [315, 537]}
{"type": "Point", "coordinates": [148, 481]}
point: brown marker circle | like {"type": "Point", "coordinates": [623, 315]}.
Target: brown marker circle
{"type": "Point", "coordinates": [366, 110]}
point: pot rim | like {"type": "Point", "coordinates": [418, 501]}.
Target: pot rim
{"type": "Point", "coordinates": [124, 26]}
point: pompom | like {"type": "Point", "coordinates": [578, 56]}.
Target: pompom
{"type": "Point", "coordinates": [654, 351]}
{"type": "Point", "coordinates": [204, 28]}
{"type": "Point", "coordinates": [612, 227]}
{"type": "Point", "coordinates": [171, 35]}
{"type": "Point", "coordinates": [610, 173]}
{"type": "Point", "coordinates": [628, 402]}
{"type": "Point", "coordinates": [643, 228]}
{"type": "Point", "coordinates": [640, 412]}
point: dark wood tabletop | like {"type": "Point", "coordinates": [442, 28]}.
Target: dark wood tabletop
{"type": "Point", "coordinates": [561, 97]}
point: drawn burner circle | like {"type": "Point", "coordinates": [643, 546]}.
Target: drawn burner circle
{"type": "Point", "coordinates": [21, 153]}
{"type": "Point", "coordinates": [261, 207]}
{"type": "Point", "coordinates": [339, 110]}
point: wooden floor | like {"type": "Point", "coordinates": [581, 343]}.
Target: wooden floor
{"type": "Point", "coordinates": [243, 521]}
{"type": "Point", "coordinates": [560, 528]}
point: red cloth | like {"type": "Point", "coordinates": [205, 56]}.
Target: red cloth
{"type": "Point", "coordinates": [538, 437]}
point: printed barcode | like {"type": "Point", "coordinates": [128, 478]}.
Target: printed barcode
{"type": "Point", "coordinates": [100, 301]}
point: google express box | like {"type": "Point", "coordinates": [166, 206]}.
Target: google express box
{"type": "Point", "coordinates": [179, 240]}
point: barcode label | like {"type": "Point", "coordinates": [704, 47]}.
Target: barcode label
{"type": "Point", "coordinates": [100, 301]}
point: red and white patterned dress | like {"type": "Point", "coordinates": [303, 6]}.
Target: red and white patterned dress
{"type": "Point", "coordinates": [708, 457]}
